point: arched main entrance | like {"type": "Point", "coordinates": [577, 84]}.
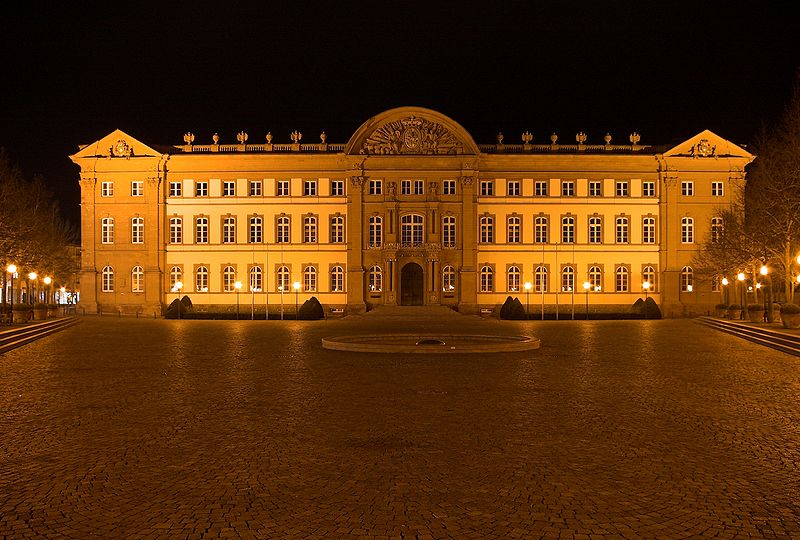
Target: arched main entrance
{"type": "Point", "coordinates": [411, 285]}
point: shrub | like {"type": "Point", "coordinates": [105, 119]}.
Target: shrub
{"type": "Point", "coordinates": [653, 311]}
{"type": "Point", "coordinates": [755, 307]}
{"type": "Point", "coordinates": [505, 309]}
{"type": "Point", "coordinates": [734, 307]}
{"type": "Point", "coordinates": [311, 310]}
{"type": "Point", "coordinates": [721, 306]}
{"type": "Point", "coordinates": [790, 309]}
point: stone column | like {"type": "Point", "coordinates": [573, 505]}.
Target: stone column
{"type": "Point", "coordinates": [467, 282]}
{"type": "Point", "coordinates": [88, 273]}
{"type": "Point", "coordinates": [355, 245]}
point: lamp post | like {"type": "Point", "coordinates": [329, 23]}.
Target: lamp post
{"type": "Point", "coordinates": [743, 300]}
{"type": "Point", "coordinates": [280, 289]}
{"type": "Point", "coordinates": [764, 271]}
{"type": "Point", "coordinates": [646, 287]}
{"type": "Point", "coordinates": [586, 287]}
{"type": "Point", "coordinates": [12, 269]}
{"type": "Point", "coordinates": [32, 293]}
{"type": "Point", "coordinates": [47, 281]}
{"type": "Point", "coordinates": [725, 290]}
{"type": "Point", "coordinates": [177, 290]}
{"type": "Point", "coordinates": [238, 287]}
{"type": "Point", "coordinates": [527, 286]}
{"type": "Point", "coordinates": [296, 287]}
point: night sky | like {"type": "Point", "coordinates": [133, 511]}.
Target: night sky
{"type": "Point", "coordinates": [72, 74]}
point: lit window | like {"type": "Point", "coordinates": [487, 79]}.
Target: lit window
{"type": "Point", "coordinates": [175, 230]}
{"type": "Point", "coordinates": [256, 235]}
{"type": "Point", "coordinates": [375, 279]}
{"type": "Point", "coordinates": [649, 275]}
{"type": "Point", "coordinates": [449, 187]}
{"type": "Point", "coordinates": [137, 230]}
{"type": "Point", "coordinates": [107, 230]}
{"type": "Point", "coordinates": [648, 230]}
{"type": "Point", "coordinates": [228, 188]}
{"type": "Point", "coordinates": [540, 279]}
{"type": "Point", "coordinates": [137, 279]}
{"type": "Point", "coordinates": [687, 188]}
{"type": "Point", "coordinates": [448, 279]}
{"type": "Point", "coordinates": [175, 189]}
{"type": "Point", "coordinates": [648, 189]}
{"type": "Point", "coordinates": [487, 279]}
{"type": "Point", "coordinates": [175, 275]}
{"type": "Point", "coordinates": [595, 278]}
{"type": "Point", "coordinates": [201, 279]}
{"type": "Point", "coordinates": [256, 188]}
{"type": "Point", "coordinates": [513, 188]}
{"type": "Point", "coordinates": [337, 188]}
{"type": "Point", "coordinates": [107, 279]}
{"type": "Point", "coordinates": [514, 227]}
{"type": "Point", "coordinates": [540, 230]}
{"type": "Point", "coordinates": [622, 230]}
{"type": "Point", "coordinates": [487, 188]}
{"type": "Point", "coordinates": [282, 188]}
{"type": "Point", "coordinates": [229, 230]}
{"type": "Point", "coordinates": [419, 187]}
{"type": "Point", "coordinates": [595, 230]}
{"type": "Point", "coordinates": [717, 189]}
{"type": "Point", "coordinates": [310, 279]}
{"type": "Point", "coordinates": [687, 279]}
{"type": "Point", "coordinates": [375, 231]}
{"type": "Point", "coordinates": [282, 279]}
{"type": "Point", "coordinates": [228, 279]}
{"type": "Point", "coordinates": [716, 229]}
{"type": "Point", "coordinates": [513, 278]}
{"type": "Point", "coordinates": [687, 230]}
{"type": "Point", "coordinates": [375, 186]}
{"type": "Point", "coordinates": [256, 274]}
{"type": "Point", "coordinates": [622, 279]}
{"type": "Point", "coordinates": [309, 230]}
{"type": "Point", "coordinates": [568, 230]}
{"type": "Point", "coordinates": [595, 188]}
{"type": "Point", "coordinates": [137, 188]}
{"type": "Point", "coordinates": [449, 231]}
{"type": "Point", "coordinates": [540, 188]}
{"type": "Point", "coordinates": [107, 189]}
{"type": "Point", "coordinates": [337, 230]}
{"type": "Point", "coordinates": [567, 279]}
{"type": "Point", "coordinates": [622, 188]}
{"type": "Point", "coordinates": [487, 229]}
{"type": "Point", "coordinates": [310, 188]}
{"type": "Point", "coordinates": [568, 188]}
{"type": "Point", "coordinates": [282, 230]}
{"type": "Point", "coordinates": [337, 279]}
{"type": "Point", "coordinates": [411, 229]}
{"type": "Point", "coordinates": [201, 230]}
{"type": "Point", "coordinates": [201, 189]}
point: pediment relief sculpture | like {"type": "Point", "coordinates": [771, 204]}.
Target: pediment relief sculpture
{"type": "Point", "coordinates": [412, 135]}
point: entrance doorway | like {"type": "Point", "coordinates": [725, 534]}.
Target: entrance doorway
{"type": "Point", "coordinates": [411, 285]}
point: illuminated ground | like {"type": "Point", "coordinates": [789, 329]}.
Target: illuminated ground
{"type": "Point", "coordinates": [152, 428]}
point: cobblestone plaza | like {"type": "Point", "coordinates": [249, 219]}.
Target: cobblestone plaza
{"type": "Point", "coordinates": [142, 428]}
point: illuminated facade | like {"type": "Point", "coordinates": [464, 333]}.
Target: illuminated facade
{"type": "Point", "coordinates": [411, 211]}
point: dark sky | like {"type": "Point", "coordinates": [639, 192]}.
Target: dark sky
{"type": "Point", "coordinates": [668, 70]}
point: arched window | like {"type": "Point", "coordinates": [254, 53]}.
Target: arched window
{"type": "Point", "coordinates": [649, 230]}
{"type": "Point", "coordinates": [540, 279]}
{"type": "Point", "coordinates": [487, 279]}
{"type": "Point", "coordinates": [201, 230]}
{"type": "Point", "coordinates": [622, 230]}
{"type": "Point", "coordinates": [282, 230]}
{"type": "Point", "coordinates": [513, 278]}
{"type": "Point", "coordinates": [137, 230]}
{"type": "Point", "coordinates": [595, 230]}
{"type": "Point", "coordinates": [137, 279]}
{"type": "Point", "coordinates": [375, 279]}
{"type": "Point", "coordinates": [107, 230]}
{"type": "Point", "coordinates": [228, 279]}
{"type": "Point", "coordinates": [448, 279]}
{"type": "Point", "coordinates": [256, 230]}
{"type": "Point", "coordinates": [487, 230]}
{"type": "Point", "coordinates": [567, 279]}
{"type": "Point", "coordinates": [282, 279]}
{"type": "Point", "coordinates": [175, 275]}
{"type": "Point", "coordinates": [175, 230]}
{"type": "Point", "coordinates": [337, 279]}
{"type": "Point", "coordinates": [567, 230]}
{"type": "Point", "coordinates": [411, 229]}
{"type": "Point", "coordinates": [595, 278]}
{"type": "Point", "coordinates": [229, 230]}
{"type": "Point", "coordinates": [513, 230]}
{"type": "Point", "coordinates": [375, 231]}
{"type": "Point", "coordinates": [622, 281]}
{"type": "Point", "coordinates": [309, 230]}
{"type": "Point", "coordinates": [716, 229]}
{"type": "Point", "coordinates": [540, 230]}
{"type": "Point", "coordinates": [337, 230]}
{"type": "Point", "coordinates": [687, 230]}
{"type": "Point", "coordinates": [687, 279]}
{"type": "Point", "coordinates": [449, 231]}
{"type": "Point", "coordinates": [649, 275]}
{"type": "Point", "coordinates": [107, 281]}
{"type": "Point", "coordinates": [310, 279]}
{"type": "Point", "coordinates": [256, 281]}
{"type": "Point", "coordinates": [201, 279]}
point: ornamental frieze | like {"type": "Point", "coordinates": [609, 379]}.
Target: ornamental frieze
{"type": "Point", "coordinates": [412, 135]}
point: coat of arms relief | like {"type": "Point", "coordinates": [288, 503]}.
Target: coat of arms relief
{"type": "Point", "coordinates": [412, 135]}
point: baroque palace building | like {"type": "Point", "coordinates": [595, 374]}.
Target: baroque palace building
{"type": "Point", "coordinates": [411, 211]}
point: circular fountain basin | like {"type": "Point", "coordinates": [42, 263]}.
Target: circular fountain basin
{"type": "Point", "coordinates": [431, 343]}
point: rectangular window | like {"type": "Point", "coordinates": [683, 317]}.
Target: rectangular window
{"type": "Point", "coordinates": [717, 189]}
{"type": "Point", "coordinates": [201, 189]}
{"type": "Point", "coordinates": [137, 230]}
{"type": "Point", "coordinates": [568, 230]}
{"type": "Point", "coordinates": [540, 188]}
{"type": "Point", "coordinates": [228, 188]}
{"type": "Point", "coordinates": [649, 230]}
{"type": "Point", "coordinates": [175, 230]}
{"type": "Point", "coordinates": [449, 187]}
{"type": "Point", "coordinates": [107, 231]}
{"type": "Point", "coordinates": [337, 188]}
{"type": "Point", "coordinates": [310, 188]}
{"type": "Point", "coordinates": [622, 188]}
{"type": "Point", "coordinates": [419, 187]}
{"type": "Point", "coordinates": [595, 188]}
{"type": "Point", "coordinates": [622, 230]}
{"type": "Point", "coordinates": [487, 188]}
{"type": "Point", "coordinates": [310, 230]}
{"type": "Point", "coordinates": [513, 230]}
{"type": "Point", "coordinates": [282, 230]}
{"type": "Point", "coordinates": [201, 230]}
{"type": "Point", "coordinates": [405, 187]}
{"type": "Point", "coordinates": [256, 230]}
{"type": "Point", "coordinates": [282, 188]}
{"type": "Point", "coordinates": [513, 188]}
{"type": "Point", "coordinates": [648, 189]}
{"type": "Point", "coordinates": [449, 231]}
{"type": "Point", "coordinates": [540, 230]}
{"type": "Point", "coordinates": [175, 189]}
{"type": "Point", "coordinates": [595, 230]}
{"type": "Point", "coordinates": [687, 188]}
{"type": "Point", "coordinates": [487, 230]}
{"type": "Point", "coordinates": [375, 186]}
{"type": "Point", "coordinates": [255, 188]}
{"type": "Point", "coordinates": [229, 230]}
{"type": "Point", "coordinates": [107, 189]}
{"type": "Point", "coordinates": [568, 188]}
{"type": "Point", "coordinates": [337, 229]}
{"type": "Point", "coordinates": [137, 188]}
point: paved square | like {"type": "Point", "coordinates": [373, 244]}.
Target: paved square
{"type": "Point", "coordinates": [202, 429]}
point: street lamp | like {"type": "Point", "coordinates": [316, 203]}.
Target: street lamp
{"type": "Point", "coordinates": [725, 290]}
{"type": "Point", "coordinates": [32, 293]}
{"type": "Point", "coordinates": [238, 287]}
{"type": "Point", "coordinates": [646, 287]}
{"type": "Point", "coordinates": [47, 281]}
{"type": "Point", "coordinates": [742, 297]}
{"type": "Point", "coordinates": [527, 286]}
{"type": "Point", "coordinates": [764, 271]}
{"type": "Point", "coordinates": [296, 287]}
{"type": "Point", "coordinates": [177, 290]}
{"type": "Point", "coordinates": [12, 269]}
{"type": "Point", "coordinates": [586, 287]}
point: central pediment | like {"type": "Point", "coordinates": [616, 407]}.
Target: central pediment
{"type": "Point", "coordinates": [411, 131]}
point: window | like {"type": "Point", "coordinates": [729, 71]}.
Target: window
{"type": "Point", "coordinates": [449, 231]}
{"type": "Point", "coordinates": [201, 230]}
{"type": "Point", "coordinates": [337, 279]}
{"type": "Point", "coordinates": [648, 189]}
{"type": "Point", "coordinates": [282, 230]}
{"type": "Point", "coordinates": [137, 188]}
{"type": "Point", "coordinates": [717, 189]}
{"type": "Point", "coordinates": [255, 188]}
{"type": "Point", "coordinates": [309, 229]}
{"type": "Point", "coordinates": [687, 279]}
{"type": "Point", "coordinates": [310, 188]}
{"type": "Point", "coordinates": [337, 230]}
{"type": "Point", "coordinates": [687, 188]}
{"type": "Point", "coordinates": [448, 279]}
{"type": "Point", "coordinates": [175, 189]}
{"type": "Point", "coordinates": [228, 279]}
{"type": "Point", "coordinates": [256, 235]}
{"type": "Point", "coordinates": [137, 230]}
{"type": "Point", "coordinates": [375, 231]}
{"type": "Point", "coordinates": [375, 186]}
{"type": "Point", "coordinates": [595, 278]}
{"type": "Point", "coordinates": [648, 230]}
{"type": "Point", "coordinates": [716, 229]}
{"type": "Point", "coordinates": [487, 230]}
{"type": "Point", "coordinates": [513, 188]}
{"type": "Point", "coordinates": [309, 279]}
{"type": "Point", "coordinates": [405, 187]}
{"type": "Point", "coordinates": [513, 278]}
{"type": "Point", "coordinates": [487, 188]}
{"type": "Point", "coordinates": [282, 278]}
{"type": "Point", "coordinates": [201, 189]}
{"type": "Point", "coordinates": [229, 230]}
{"type": "Point", "coordinates": [622, 279]}
{"type": "Point", "coordinates": [282, 188]}
{"type": "Point", "coordinates": [595, 230]}
{"type": "Point", "coordinates": [568, 230]}
{"type": "Point", "coordinates": [107, 281]}
{"type": "Point", "coordinates": [513, 233]}
{"type": "Point", "coordinates": [567, 279]}
{"type": "Point", "coordinates": [137, 279]}
{"type": "Point", "coordinates": [375, 279]}
{"type": "Point", "coordinates": [540, 188]}
{"type": "Point", "coordinates": [337, 188]}
{"type": "Point", "coordinates": [540, 279]}
{"type": "Point", "coordinates": [622, 230]}
{"type": "Point", "coordinates": [107, 230]}
{"type": "Point", "coordinates": [649, 276]}
{"type": "Point", "coordinates": [568, 188]}
{"type": "Point", "coordinates": [228, 188]}
{"type": "Point", "coordinates": [595, 188]}
{"type": "Point", "coordinates": [540, 230]}
{"type": "Point", "coordinates": [107, 189]}
{"type": "Point", "coordinates": [175, 230]}
{"type": "Point", "coordinates": [419, 187]}
{"type": "Point", "coordinates": [487, 279]}
{"type": "Point", "coordinates": [411, 229]}
{"type": "Point", "coordinates": [201, 279]}
{"type": "Point", "coordinates": [687, 230]}
{"type": "Point", "coordinates": [622, 188]}
{"type": "Point", "coordinates": [175, 275]}
{"type": "Point", "coordinates": [449, 187]}
{"type": "Point", "coordinates": [256, 282]}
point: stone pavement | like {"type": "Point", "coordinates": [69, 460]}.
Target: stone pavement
{"type": "Point", "coordinates": [126, 428]}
